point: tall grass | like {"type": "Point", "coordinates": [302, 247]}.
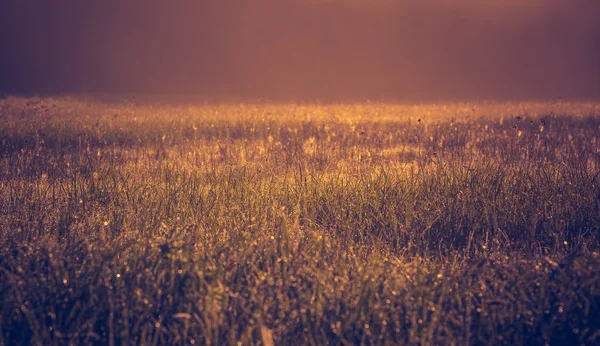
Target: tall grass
{"type": "Point", "coordinates": [299, 224]}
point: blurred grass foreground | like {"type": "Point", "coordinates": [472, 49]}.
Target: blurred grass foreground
{"type": "Point", "coordinates": [245, 224]}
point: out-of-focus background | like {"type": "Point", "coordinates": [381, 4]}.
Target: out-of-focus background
{"type": "Point", "coordinates": [391, 50]}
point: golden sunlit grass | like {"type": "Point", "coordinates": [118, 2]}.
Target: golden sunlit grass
{"type": "Point", "coordinates": [299, 224]}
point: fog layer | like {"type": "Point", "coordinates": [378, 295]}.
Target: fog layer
{"type": "Point", "coordinates": [293, 49]}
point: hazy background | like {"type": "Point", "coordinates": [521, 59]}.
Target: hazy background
{"type": "Point", "coordinates": [303, 49]}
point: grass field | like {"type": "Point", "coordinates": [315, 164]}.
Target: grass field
{"type": "Point", "coordinates": [239, 224]}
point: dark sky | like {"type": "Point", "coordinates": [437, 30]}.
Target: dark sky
{"type": "Point", "coordinates": [303, 49]}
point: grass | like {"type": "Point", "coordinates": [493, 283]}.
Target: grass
{"type": "Point", "coordinates": [130, 223]}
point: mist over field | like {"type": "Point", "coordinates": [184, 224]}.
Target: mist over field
{"type": "Point", "coordinates": [292, 49]}
{"type": "Point", "coordinates": [355, 172]}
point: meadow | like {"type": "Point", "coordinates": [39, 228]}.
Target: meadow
{"type": "Point", "coordinates": [288, 224]}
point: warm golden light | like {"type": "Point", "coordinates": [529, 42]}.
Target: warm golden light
{"type": "Point", "coordinates": [299, 172]}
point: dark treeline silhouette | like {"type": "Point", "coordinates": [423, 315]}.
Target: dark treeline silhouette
{"type": "Point", "coordinates": [303, 49]}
